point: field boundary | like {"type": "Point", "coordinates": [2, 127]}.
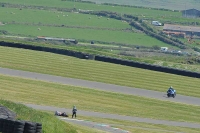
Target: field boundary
{"type": "Point", "coordinates": [82, 55]}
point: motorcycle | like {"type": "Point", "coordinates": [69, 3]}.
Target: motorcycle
{"type": "Point", "coordinates": [57, 113]}
{"type": "Point", "coordinates": [171, 93]}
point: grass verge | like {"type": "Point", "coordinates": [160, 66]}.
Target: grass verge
{"type": "Point", "coordinates": [50, 124]}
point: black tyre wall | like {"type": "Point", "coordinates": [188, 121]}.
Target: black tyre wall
{"type": "Point", "coordinates": [104, 59]}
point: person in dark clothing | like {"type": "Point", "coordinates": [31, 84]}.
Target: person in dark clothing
{"type": "Point", "coordinates": [74, 110]}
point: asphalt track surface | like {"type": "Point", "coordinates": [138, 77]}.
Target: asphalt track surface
{"type": "Point", "coordinates": [102, 86]}
{"type": "Point", "coordinates": [111, 128]}
{"type": "Point", "coordinates": [115, 116]}
{"type": "Point", "coordinates": [110, 88]}
{"type": "Point", "coordinates": [99, 126]}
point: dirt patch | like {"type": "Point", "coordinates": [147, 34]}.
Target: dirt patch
{"type": "Point", "coordinates": [6, 113]}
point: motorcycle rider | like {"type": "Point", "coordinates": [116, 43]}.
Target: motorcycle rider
{"type": "Point", "coordinates": [171, 90]}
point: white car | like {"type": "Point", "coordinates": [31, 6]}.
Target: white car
{"type": "Point", "coordinates": [156, 23]}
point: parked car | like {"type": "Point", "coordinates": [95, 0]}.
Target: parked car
{"type": "Point", "coordinates": [156, 23]}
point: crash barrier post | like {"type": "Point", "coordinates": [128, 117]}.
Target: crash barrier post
{"type": "Point", "coordinates": [104, 59]}
{"type": "Point", "coordinates": [18, 126]}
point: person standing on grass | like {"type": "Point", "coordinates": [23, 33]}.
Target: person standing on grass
{"type": "Point", "coordinates": [74, 111]}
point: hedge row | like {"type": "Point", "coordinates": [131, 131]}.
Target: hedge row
{"type": "Point", "coordinates": [90, 2]}
{"type": "Point", "coordinates": [161, 34]}
{"type": "Point", "coordinates": [157, 36]}
{"type": "Point", "coordinates": [133, 21]}
{"type": "Point", "coordinates": [21, 6]}
{"type": "Point", "coordinates": [104, 59]}
{"type": "Point", "coordinates": [16, 126]}
{"type": "Point", "coordinates": [162, 9]}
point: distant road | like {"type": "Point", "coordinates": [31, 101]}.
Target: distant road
{"type": "Point", "coordinates": [101, 86]}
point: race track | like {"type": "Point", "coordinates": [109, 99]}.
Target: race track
{"type": "Point", "coordinates": [102, 86]}
{"type": "Point", "coordinates": [110, 88]}
{"type": "Point", "coordinates": [117, 117]}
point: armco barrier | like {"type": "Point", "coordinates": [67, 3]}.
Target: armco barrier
{"type": "Point", "coordinates": [103, 59]}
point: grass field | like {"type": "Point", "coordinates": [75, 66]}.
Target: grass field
{"type": "Point", "coordinates": [96, 71]}
{"type": "Point", "coordinates": [44, 93]}
{"type": "Point", "coordinates": [87, 34]}
{"type": "Point", "coordinates": [82, 29]}
{"type": "Point", "coordinates": [87, 6]}
{"type": "Point", "coordinates": [144, 13]}
{"type": "Point", "coordinates": [50, 124]}
{"type": "Point", "coordinates": [59, 18]}
{"type": "Point", "coordinates": [83, 23]}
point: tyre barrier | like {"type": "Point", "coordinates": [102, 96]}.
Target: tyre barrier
{"type": "Point", "coordinates": [79, 55]}
{"type": "Point", "coordinates": [38, 127]}
{"type": "Point", "coordinates": [104, 59]}
{"type": "Point", "coordinates": [30, 127]}
{"type": "Point", "coordinates": [148, 66]}
{"type": "Point", "coordinates": [18, 126]}
{"type": "Point", "coordinates": [1, 124]}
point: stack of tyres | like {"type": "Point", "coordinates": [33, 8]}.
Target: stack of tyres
{"type": "Point", "coordinates": [19, 126]}
{"type": "Point", "coordinates": [4, 126]}
{"type": "Point", "coordinates": [38, 128]}
{"type": "Point", "coordinates": [1, 124]}
{"type": "Point", "coordinates": [30, 127]}
{"type": "Point", "coordinates": [10, 124]}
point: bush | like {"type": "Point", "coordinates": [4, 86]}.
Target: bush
{"type": "Point", "coordinates": [132, 17]}
{"type": "Point", "coordinates": [156, 47]}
